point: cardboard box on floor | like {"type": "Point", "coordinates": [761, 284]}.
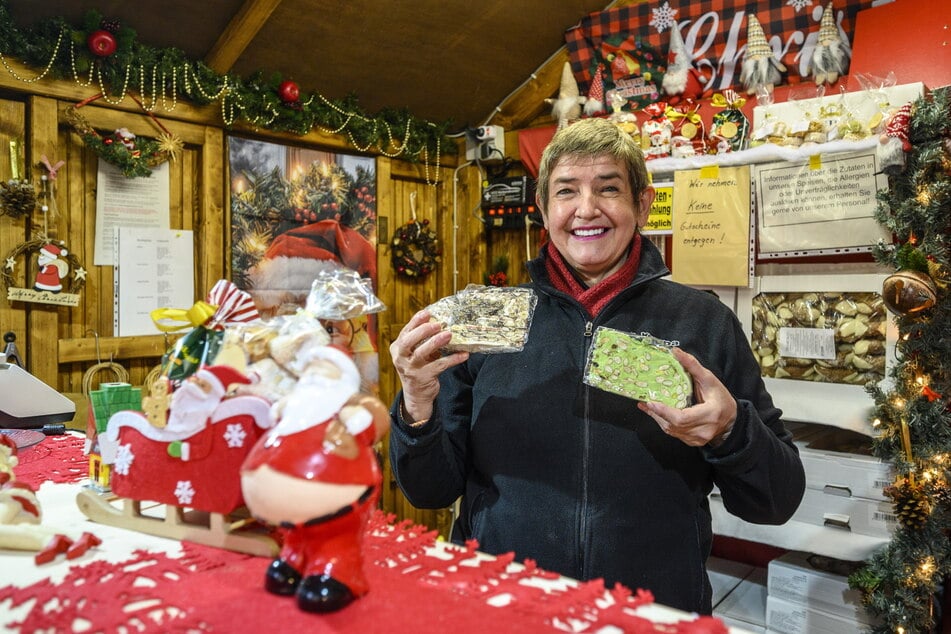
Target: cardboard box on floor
{"type": "Point", "coordinates": [799, 577]}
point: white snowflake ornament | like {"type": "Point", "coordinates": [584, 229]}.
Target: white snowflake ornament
{"type": "Point", "coordinates": [235, 435]}
{"type": "Point", "coordinates": [663, 17]}
{"type": "Point", "coordinates": [184, 492]}
{"type": "Point", "coordinates": [124, 459]}
{"type": "Point", "coordinates": [798, 5]}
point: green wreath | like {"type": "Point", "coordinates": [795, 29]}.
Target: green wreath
{"type": "Point", "coordinates": [415, 250]}
{"type": "Point", "coordinates": [134, 158]}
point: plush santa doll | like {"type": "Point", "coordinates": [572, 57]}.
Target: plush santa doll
{"type": "Point", "coordinates": [682, 80]}
{"type": "Point", "coordinates": [316, 477]}
{"type": "Point", "coordinates": [192, 405]}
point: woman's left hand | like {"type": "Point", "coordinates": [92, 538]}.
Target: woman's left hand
{"type": "Point", "coordinates": [709, 420]}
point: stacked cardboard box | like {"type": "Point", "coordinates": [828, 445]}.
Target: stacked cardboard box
{"type": "Point", "coordinates": [739, 594]}
{"type": "Point", "coordinates": [810, 594]}
{"type": "Point", "coordinates": [844, 483]}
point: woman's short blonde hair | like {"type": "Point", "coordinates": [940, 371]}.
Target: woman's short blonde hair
{"type": "Point", "coordinates": [590, 138]}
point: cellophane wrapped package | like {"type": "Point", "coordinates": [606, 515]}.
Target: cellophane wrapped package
{"type": "Point", "coordinates": [488, 319]}
{"type": "Point", "coordinates": [638, 367]}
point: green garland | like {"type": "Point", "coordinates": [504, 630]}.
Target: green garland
{"type": "Point", "coordinates": [160, 76]}
{"type": "Point", "coordinates": [912, 418]}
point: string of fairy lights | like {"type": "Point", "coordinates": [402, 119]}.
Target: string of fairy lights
{"type": "Point", "coordinates": [118, 65]}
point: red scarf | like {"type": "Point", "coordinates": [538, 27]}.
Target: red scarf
{"type": "Point", "coordinates": [596, 297]}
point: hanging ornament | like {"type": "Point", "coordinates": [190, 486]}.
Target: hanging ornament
{"type": "Point", "coordinates": [17, 198]}
{"type": "Point", "coordinates": [908, 292]}
{"type": "Point", "coordinates": [101, 43]}
{"type": "Point", "coordinates": [930, 394]}
{"type": "Point", "coordinates": [911, 503]}
{"type": "Point", "coordinates": [414, 249]}
{"type": "Point", "coordinates": [59, 274]}
{"type": "Point", "coordinates": [289, 92]}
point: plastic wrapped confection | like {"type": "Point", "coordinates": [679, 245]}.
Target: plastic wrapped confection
{"type": "Point", "coordinates": [640, 368]}
{"type": "Point", "coordinates": [489, 319]}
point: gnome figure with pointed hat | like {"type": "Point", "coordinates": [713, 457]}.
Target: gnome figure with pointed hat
{"type": "Point", "coordinates": [682, 80]}
{"type": "Point", "coordinates": [567, 106]}
{"type": "Point", "coordinates": [830, 59]}
{"type": "Point", "coordinates": [760, 67]}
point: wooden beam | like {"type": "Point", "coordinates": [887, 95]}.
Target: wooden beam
{"type": "Point", "coordinates": [243, 28]}
{"type": "Point", "coordinates": [105, 348]}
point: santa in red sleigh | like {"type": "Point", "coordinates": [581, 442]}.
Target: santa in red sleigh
{"type": "Point", "coordinates": [193, 461]}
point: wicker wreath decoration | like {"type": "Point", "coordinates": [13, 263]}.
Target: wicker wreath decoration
{"type": "Point", "coordinates": [415, 250]}
{"type": "Point", "coordinates": [134, 155]}
{"type": "Point", "coordinates": [77, 278]}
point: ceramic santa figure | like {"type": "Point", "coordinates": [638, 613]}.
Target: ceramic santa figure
{"type": "Point", "coordinates": [316, 477]}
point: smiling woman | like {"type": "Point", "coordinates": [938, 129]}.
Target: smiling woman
{"type": "Point", "coordinates": [622, 477]}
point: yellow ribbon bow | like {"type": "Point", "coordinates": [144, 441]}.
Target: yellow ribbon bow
{"type": "Point", "coordinates": [674, 114]}
{"type": "Point", "coordinates": [172, 319]}
{"type": "Point", "coordinates": [729, 99]}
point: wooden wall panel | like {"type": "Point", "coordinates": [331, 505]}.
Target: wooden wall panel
{"type": "Point", "coordinates": [63, 344]}
{"type": "Point", "coordinates": [13, 231]}
{"type": "Point", "coordinates": [43, 320]}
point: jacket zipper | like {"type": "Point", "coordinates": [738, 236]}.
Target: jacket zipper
{"type": "Point", "coordinates": [586, 446]}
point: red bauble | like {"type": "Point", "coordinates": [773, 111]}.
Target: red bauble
{"type": "Point", "coordinates": [289, 92]}
{"type": "Point", "coordinates": [101, 43]}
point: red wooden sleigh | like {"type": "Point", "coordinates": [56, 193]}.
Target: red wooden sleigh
{"type": "Point", "coordinates": [183, 487]}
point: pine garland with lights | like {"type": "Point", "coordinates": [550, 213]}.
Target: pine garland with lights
{"type": "Point", "coordinates": [161, 76]}
{"type": "Point", "coordinates": [912, 416]}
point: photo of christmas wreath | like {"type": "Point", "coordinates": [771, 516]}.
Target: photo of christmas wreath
{"type": "Point", "coordinates": [415, 250]}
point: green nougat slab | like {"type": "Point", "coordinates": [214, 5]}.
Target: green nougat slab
{"type": "Point", "coordinates": [636, 367]}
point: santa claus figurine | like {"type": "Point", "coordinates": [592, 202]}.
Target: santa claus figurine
{"type": "Point", "coordinates": [192, 406]}
{"type": "Point", "coordinates": [52, 269]}
{"type": "Point", "coordinates": [315, 476]}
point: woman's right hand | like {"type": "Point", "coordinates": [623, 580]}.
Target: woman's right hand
{"type": "Point", "coordinates": [418, 361]}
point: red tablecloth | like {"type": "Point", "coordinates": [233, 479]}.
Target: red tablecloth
{"type": "Point", "coordinates": [417, 585]}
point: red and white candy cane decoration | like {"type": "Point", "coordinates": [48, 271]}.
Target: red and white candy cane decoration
{"type": "Point", "coordinates": [234, 305]}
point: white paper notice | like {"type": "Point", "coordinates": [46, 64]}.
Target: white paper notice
{"type": "Point", "coordinates": [822, 206]}
{"type": "Point", "coordinates": [154, 270]}
{"type": "Point", "coordinates": [127, 202]}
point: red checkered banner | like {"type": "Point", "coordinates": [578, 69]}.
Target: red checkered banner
{"type": "Point", "coordinates": [714, 33]}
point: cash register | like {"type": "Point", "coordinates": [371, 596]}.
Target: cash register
{"type": "Point", "coordinates": [25, 401]}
